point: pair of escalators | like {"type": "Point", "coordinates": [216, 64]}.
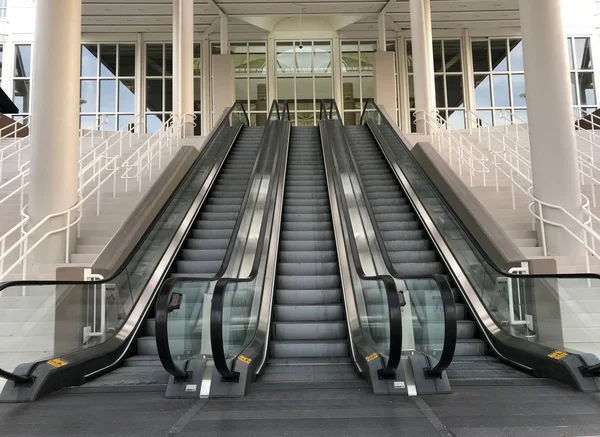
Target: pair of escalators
{"type": "Point", "coordinates": [256, 262]}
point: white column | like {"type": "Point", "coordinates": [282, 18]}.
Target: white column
{"type": "Point", "coordinates": [206, 91]}
{"type": "Point", "coordinates": [381, 42]}
{"type": "Point", "coordinates": [422, 50]}
{"type": "Point", "coordinates": [56, 57]}
{"type": "Point", "coordinates": [384, 78]}
{"type": "Point", "coordinates": [551, 120]}
{"type": "Point", "coordinates": [183, 61]}
{"type": "Point", "coordinates": [224, 35]}
{"type": "Point", "coordinates": [223, 84]}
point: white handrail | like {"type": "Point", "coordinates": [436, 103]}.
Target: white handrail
{"type": "Point", "coordinates": [468, 154]}
{"type": "Point", "coordinates": [102, 163]}
{"type": "Point", "coordinates": [24, 124]}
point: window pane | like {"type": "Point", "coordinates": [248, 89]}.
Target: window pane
{"type": "Point", "coordinates": [241, 89]}
{"type": "Point", "coordinates": [483, 97]}
{"type": "Point", "coordinates": [111, 123]}
{"type": "Point", "coordinates": [22, 95]}
{"type": "Point", "coordinates": [258, 93]}
{"type": "Point", "coordinates": [586, 89]}
{"type": "Point", "coordinates": [198, 95]}
{"type": "Point", "coordinates": [438, 61]}
{"type": "Point", "coordinates": [153, 123]}
{"type": "Point", "coordinates": [456, 119]}
{"type": "Point", "coordinates": [168, 59]}
{"type": "Point", "coordinates": [368, 91]}
{"type": "Point", "coordinates": [411, 91]}
{"type": "Point", "coordinates": [481, 60]}
{"type": "Point", "coordinates": [516, 55]}
{"type": "Point", "coordinates": [108, 60]}
{"type": "Point", "coordinates": [257, 62]}
{"type": "Point", "coordinates": [197, 59]}
{"type": "Point", "coordinates": [108, 95]}
{"type": "Point", "coordinates": [409, 56]}
{"type": "Point", "coordinates": [86, 121]}
{"type": "Point", "coordinates": [127, 60]}
{"type": "Point", "coordinates": [351, 93]}
{"type": "Point", "coordinates": [23, 60]}
{"type": "Point", "coordinates": [304, 58]}
{"type": "Point", "coordinates": [501, 90]}
{"type": "Point", "coordinates": [285, 57]}
{"type": "Point", "coordinates": [453, 56]}
{"type": "Point", "coordinates": [89, 60]}
{"type": "Point", "coordinates": [350, 59]}
{"type": "Point", "coordinates": [323, 88]}
{"type": "Point", "coordinates": [240, 57]}
{"type": "Point", "coordinates": [486, 117]}
{"type": "Point", "coordinates": [583, 54]}
{"type": "Point", "coordinates": [88, 93]}
{"type": "Point", "coordinates": [574, 89]}
{"type": "Point", "coordinates": [499, 55]}
{"type": "Point", "coordinates": [154, 60]}
{"type": "Point", "coordinates": [304, 93]}
{"type": "Point", "coordinates": [440, 91]}
{"type": "Point", "coordinates": [1, 58]}
{"type": "Point", "coordinates": [454, 91]}
{"type": "Point", "coordinates": [518, 89]}
{"type": "Point", "coordinates": [154, 95]}
{"type": "Point", "coordinates": [322, 57]}
{"type": "Point", "coordinates": [168, 95]}
{"type": "Point", "coordinates": [285, 89]}
{"type": "Point", "coordinates": [127, 95]}
{"type": "Point", "coordinates": [123, 120]}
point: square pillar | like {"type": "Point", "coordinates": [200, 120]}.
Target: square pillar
{"type": "Point", "coordinates": [223, 72]}
{"type": "Point", "coordinates": [384, 78]}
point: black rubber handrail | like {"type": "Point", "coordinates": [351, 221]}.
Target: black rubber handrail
{"type": "Point", "coordinates": [25, 379]}
{"type": "Point", "coordinates": [541, 349]}
{"type": "Point", "coordinates": [450, 338]}
{"type": "Point", "coordinates": [394, 303]}
{"type": "Point", "coordinates": [165, 293]}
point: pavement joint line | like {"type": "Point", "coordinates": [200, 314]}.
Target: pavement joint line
{"type": "Point", "coordinates": [186, 417]}
{"type": "Point", "coordinates": [429, 414]}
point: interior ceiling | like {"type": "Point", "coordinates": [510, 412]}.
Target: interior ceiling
{"type": "Point", "coordinates": [155, 16]}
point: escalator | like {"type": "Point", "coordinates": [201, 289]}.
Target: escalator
{"type": "Point", "coordinates": [191, 236]}
{"type": "Point", "coordinates": [412, 253]}
{"type": "Point", "coordinates": [202, 253]}
{"type": "Point", "coordinates": [309, 333]}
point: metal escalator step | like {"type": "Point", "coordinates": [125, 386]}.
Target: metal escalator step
{"type": "Point", "coordinates": [304, 256]}
{"type": "Point", "coordinates": [202, 267]}
{"type": "Point", "coordinates": [295, 225]}
{"type": "Point", "coordinates": [286, 331]}
{"type": "Point", "coordinates": [207, 243]}
{"type": "Point", "coordinates": [308, 282]}
{"type": "Point", "coordinates": [419, 269]}
{"type": "Point", "coordinates": [307, 268]}
{"type": "Point", "coordinates": [312, 245]}
{"type": "Point", "coordinates": [308, 313]}
{"type": "Point", "coordinates": [214, 225]}
{"type": "Point", "coordinates": [206, 234]}
{"type": "Point", "coordinates": [306, 235]}
{"type": "Point", "coordinates": [308, 296]}
{"type": "Point", "coordinates": [413, 256]}
{"type": "Point", "coordinates": [307, 216]}
{"type": "Point", "coordinates": [304, 349]}
{"type": "Point", "coordinates": [470, 347]}
{"type": "Point", "coordinates": [400, 226]}
{"type": "Point", "coordinates": [408, 244]}
{"type": "Point", "coordinates": [203, 254]}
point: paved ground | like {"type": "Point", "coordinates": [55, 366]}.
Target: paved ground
{"type": "Point", "coordinates": [548, 411]}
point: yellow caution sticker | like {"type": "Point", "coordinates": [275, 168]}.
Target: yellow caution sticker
{"type": "Point", "coordinates": [244, 359]}
{"type": "Point", "coordinates": [57, 362]}
{"type": "Point", "coordinates": [558, 355]}
{"type": "Point", "coordinates": [371, 357]}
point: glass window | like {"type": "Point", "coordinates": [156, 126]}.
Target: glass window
{"type": "Point", "coordinates": [23, 60]}
{"type": "Point", "coordinates": [107, 83]}
{"type": "Point", "coordinates": [582, 74]}
{"type": "Point", "coordinates": [499, 55]}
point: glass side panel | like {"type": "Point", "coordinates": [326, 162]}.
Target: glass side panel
{"type": "Point", "coordinates": [373, 312]}
{"type": "Point", "coordinates": [427, 315]}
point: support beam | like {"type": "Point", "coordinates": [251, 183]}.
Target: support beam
{"type": "Point", "coordinates": [422, 50]}
{"type": "Point", "coordinates": [552, 137]}
{"type": "Point", "coordinates": [53, 186]}
{"type": "Point", "coordinates": [224, 36]}
{"type": "Point", "coordinates": [381, 42]}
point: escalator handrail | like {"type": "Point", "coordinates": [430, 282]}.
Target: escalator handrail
{"type": "Point", "coordinates": [445, 290]}
{"type": "Point", "coordinates": [540, 348]}
{"type": "Point", "coordinates": [221, 124]}
{"type": "Point", "coordinates": [465, 229]}
{"type": "Point", "coordinates": [165, 292]}
{"type": "Point", "coordinates": [393, 299]}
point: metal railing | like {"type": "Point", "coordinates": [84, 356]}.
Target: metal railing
{"type": "Point", "coordinates": [466, 152]}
